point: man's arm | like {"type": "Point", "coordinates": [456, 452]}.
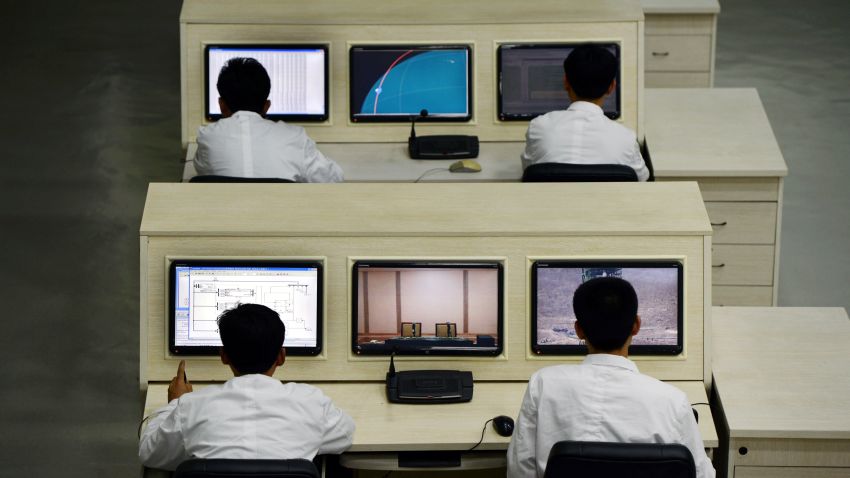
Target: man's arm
{"type": "Point", "coordinates": [161, 444]}
{"type": "Point", "coordinates": [532, 152]}
{"type": "Point", "coordinates": [318, 168]}
{"type": "Point", "coordinates": [339, 429]}
{"type": "Point", "coordinates": [637, 163]}
{"type": "Point", "coordinates": [522, 459]}
{"type": "Point", "coordinates": [691, 438]}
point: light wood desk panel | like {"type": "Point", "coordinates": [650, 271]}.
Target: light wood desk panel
{"type": "Point", "coordinates": [781, 377]}
{"type": "Point", "coordinates": [384, 426]}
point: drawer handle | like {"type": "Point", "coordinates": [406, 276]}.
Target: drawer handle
{"type": "Point", "coordinates": [718, 266]}
{"type": "Point", "coordinates": [661, 53]}
{"type": "Point", "coordinates": [719, 223]}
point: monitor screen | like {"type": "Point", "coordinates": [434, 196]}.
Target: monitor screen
{"type": "Point", "coordinates": [202, 290]}
{"type": "Point", "coordinates": [427, 308]}
{"type": "Point", "coordinates": [531, 80]}
{"type": "Point", "coordinates": [658, 286]}
{"type": "Point", "coordinates": [298, 73]}
{"type": "Point", "coordinates": [395, 83]}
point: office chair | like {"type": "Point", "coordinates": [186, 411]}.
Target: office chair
{"type": "Point", "coordinates": [576, 173]}
{"type": "Point", "coordinates": [411, 329]}
{"type": "Point", "coordinates": [627, 460]}
{"type": "Point", "coordinates": [222, 468]}
{"type": "Point", "coordinates": [213, 178]}
{"type": "Point", "coordinates": [448, 329]}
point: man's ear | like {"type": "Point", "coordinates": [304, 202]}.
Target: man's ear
{"type": "Point", "coordinates": [636, 325]}
{"type": "Point", "coordinates": [224, 358]}
{"type": "Point", "coordinates": [225, 110]}
{"type": "Point", "coordinates": [266, 106]}
{"type": "Point", "coordinates": [611, 87]}
{"type": "Point", "coordinates": [580, 331]}
{"type": "Point", "coordinates": [281, 357]}
{"type": "Point", "coordinates": [567, 86]}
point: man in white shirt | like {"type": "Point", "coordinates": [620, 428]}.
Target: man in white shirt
{"type": "Point", "coordinates": [252, 415]}
{"type": "Point", "coordinates": [245, 144]}
{"type": "Point", "coordinates": [605, 398]}
{"type": "Point", "coordinates": [582, 134]}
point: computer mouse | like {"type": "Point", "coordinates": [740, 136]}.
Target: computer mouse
{"type": "Point", "coordinates": [465, 166]}
{"type": "Point", "coordinates": [503, 425]}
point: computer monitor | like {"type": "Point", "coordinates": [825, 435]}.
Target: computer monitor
{"type": "Point", "coordinates": [200, 290]}
{"type": "Point", "coordinates": [462, 298]}
{"type": "Point", "coordinates": [395, 83]}
{"type": "Point", "coordinates": [298, 73]}
{"type": "Point", "coordinates": [531, 80]}
{"type": "Point", "coordinates": [659, 287]}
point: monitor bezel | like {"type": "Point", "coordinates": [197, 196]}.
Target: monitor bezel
{"type": "Point", "coordinates": [457, 264]}
{"type": "Point", "coordinates": [538, 45]}
{"type": "Point", "coordinates": [401, 118]}
{"type": "Point", "coordinates": [312, 118]}
{"type": "Point", "coordinates": [184, 350]}
{"type": "Point", "coordinates": [658, 350]}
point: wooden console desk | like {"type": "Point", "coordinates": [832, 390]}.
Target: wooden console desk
{"type": "Point", "coordinates": [720, 138]}
{"type": "Point", "coordinates": [781, 378]}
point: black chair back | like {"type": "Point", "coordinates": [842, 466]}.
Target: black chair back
{"type": "Point", "coordinates": [213, 178]}
{"type": "Point", "coordinates": [623, 460]}
{"type": "Point", "coordinates": [576, 173]}
{"type": "Point", "coordinates": [224, 468]}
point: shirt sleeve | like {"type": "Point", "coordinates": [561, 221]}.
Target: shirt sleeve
{"type": "Point", "coordinates": [690, 437]}
{"type": "Point", "coordinates": [637, 163]}
{"type": "Point", "coordinates": [161, 444]}
{"type": "Point", "coordinates": [339, 429]}
{"type": "Point", "coordinates": [202, 154]}
{"type": "Point", "coordinates": [522, 459]}
{"type": "Point", "coordinates": [318, 168]}
{"type": "Point", "coordinates": [532, 152]}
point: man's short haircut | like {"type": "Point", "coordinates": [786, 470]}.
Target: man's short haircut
{"type": "Point", "coordinates": [590, 69]}
{"type": "Point", "coordinates": [252, 335]}
{"type": "Point", "coordinates": [244, 85]}
{"type": "Point", "coordinates": [606, 308]}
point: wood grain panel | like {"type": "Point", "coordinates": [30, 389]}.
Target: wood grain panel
{"type": "Point", "coordinates": [742, 222]}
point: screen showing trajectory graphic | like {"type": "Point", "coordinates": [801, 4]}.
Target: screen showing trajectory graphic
{"type": "Point", "coordinates": [427, 308]}
{"type": "Point", "coordinates": [395, 83]}
{"type": "Point", "coordinates": [531, 80]}
{"type": "Point", "coordinates": [660, 295]}
{"type": "Point", "coordinates": [202, 290]}
{"type": "Point", "coordinates": [298, 74]}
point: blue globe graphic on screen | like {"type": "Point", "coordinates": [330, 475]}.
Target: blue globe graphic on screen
{"type": "Point", "coordinates": [433, 80]}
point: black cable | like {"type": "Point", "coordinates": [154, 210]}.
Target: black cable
{"type": "Point", "coordinates": [482, 434]}
{"type": "Point", "coordinates": [700, 403]}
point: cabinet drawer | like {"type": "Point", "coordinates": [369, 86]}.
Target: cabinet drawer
{"type": "Point", "coordinates": [663, 24]}
{"type": "Point", "coordinates": [747, 295]}
{"type": "Point", "coordinates": [790, 472]}
{"type": "Point", "coordinates": [678, 53]}
{"type": "Point", "coordinates": [676, 79]}
{"type": "Point", "coordinates": [741, 265]}
{"type": "Point", "coordinates": [742, 222]}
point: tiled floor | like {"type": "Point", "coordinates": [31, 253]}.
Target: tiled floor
{"type": "Point", "coordinates": [91, 115]}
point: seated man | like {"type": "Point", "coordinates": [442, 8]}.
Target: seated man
{"type": "Point", "coordinates": [245, 144]}
{"type": "Point", "coordinates": [582, 134]}
{"type": "Point", "coordinates": [604, 398]}
{"type": "Point", "coordinates": [252, 415]}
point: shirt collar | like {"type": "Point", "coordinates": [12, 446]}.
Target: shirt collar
{"type": "Point", "coordinates": [609, 360]}
{"type": "Point", "coordinates": [585, 106]}
{"type": "Point", "coordinates": [245, 113]}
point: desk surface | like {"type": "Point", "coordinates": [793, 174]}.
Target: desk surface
{"type": "Point", "coordinates": [382, 426]}
{"type": "Point", "coordinates": [783, 372]}
{"type": "Point", "coordinates": [691, 132]}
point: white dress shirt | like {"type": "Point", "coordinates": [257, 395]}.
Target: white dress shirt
{"type": "Point", "coordinates": [604, 399]}
{"type": "Point", "coordinates": [582, 134]}
{"type": "Point", "coordinates": [249, 146]}
{"type": "Point", "coordinates": [252, 416]}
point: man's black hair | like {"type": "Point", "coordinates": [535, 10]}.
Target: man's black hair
{"type": "Point", "coordinates": [606, 308]}
{"type": "Point", "coordinates": [244, 85]}
{"type": "Point", "coordinates": [590, 69]}
{"type": "Point", "coordinates": [252, 335]}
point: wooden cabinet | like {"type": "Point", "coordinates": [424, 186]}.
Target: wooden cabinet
{"type": "Point", "coordinates": [679, 42]}
{"type": "Point", "coordinates": [722, 139]}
